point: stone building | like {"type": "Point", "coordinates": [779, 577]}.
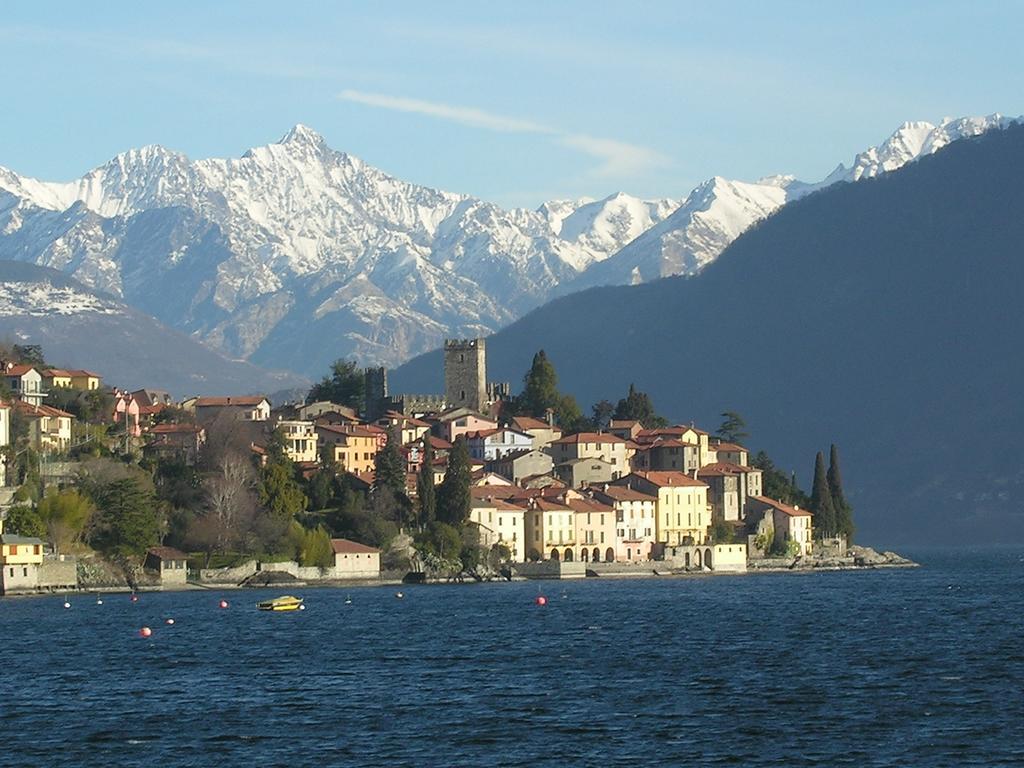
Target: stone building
{"type": "Point", "coordinates": [465, 373]}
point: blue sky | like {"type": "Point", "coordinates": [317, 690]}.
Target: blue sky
{"type": "Point", "coordinates": [515, 102]}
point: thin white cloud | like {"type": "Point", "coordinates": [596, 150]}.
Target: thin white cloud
{"type": "Point", "coordinates": [618, 158]}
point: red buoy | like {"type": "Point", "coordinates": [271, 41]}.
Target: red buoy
{"type": "Point", "coordinates": [145, 632]}
{"type": "Point", "coordinates": [135, 598]}
{"type": "Point", "coordinates": [223, 603]}
{"type": "Point", "coordinates": [541, 600]}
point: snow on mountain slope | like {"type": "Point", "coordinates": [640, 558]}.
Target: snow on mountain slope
{"type": "Point", "coordinates": [295, 231]}
{"type": "Point", "coordinates": [718, 211]}
{"type": "Point", "coordinates": [295, 254]}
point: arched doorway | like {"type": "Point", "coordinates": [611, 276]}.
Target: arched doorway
{"type": "Point", "coordinates": [568, 555]}
{"type": "Point", "coordinates": [597, 555]}
{"type": "Point", "coordinates": [707, 559]}
{"type": "Point", "coordinates": [584, 554]}
{"type": "Point", "coordinates": [609, 555]}
{"type": "Point", "coordinates": [687, 559]}
{"type": "Point", "coordinates": [554, 554]}
{"type": "Point", "coordinates": [696, 558]}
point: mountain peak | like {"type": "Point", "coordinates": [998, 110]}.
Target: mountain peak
{"type": "Point", "coordinates": [302, 134]}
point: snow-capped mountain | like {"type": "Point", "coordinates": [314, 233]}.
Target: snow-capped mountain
{"type": "Point", "coordinates": [719, 210]}
{"type": "Point", "coordinates": [295, 254]}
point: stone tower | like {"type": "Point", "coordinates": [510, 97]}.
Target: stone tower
{"type": "Point", "coordinates": [465, 373]}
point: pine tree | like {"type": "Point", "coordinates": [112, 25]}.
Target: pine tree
{"type": "Point", "coordinates": [426, 493]}
{"type": "Point", "coordinates": [821, 501]}
{"type": "Point", "coordinates": [540, 388]}
{"type": "Point", "coordinates": [733, 427]}
{"type": "Point", "coordinates": [637, 405]}
{"type": "Point", "coordinates": [453, 497]}
{"type": "Point", "coordinates": [843, 511]}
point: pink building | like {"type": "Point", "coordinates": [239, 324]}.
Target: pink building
{"type": "Point", "coordinates": [126, 410]}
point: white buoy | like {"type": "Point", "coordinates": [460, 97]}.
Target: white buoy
{"type": "Point", "coordinates": [169, 621]}
{"type": "Point", "coordinates": [67, 604]}
{"type": "Point", "coordinates": [399, 595]}
{"type": "Point", "coordinates": [99, 601]}
{"type": "Point", "coordinates": [302, 607]}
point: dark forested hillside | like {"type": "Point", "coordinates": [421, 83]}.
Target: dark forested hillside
{"type": "Point", "coordinates": [883, 315]}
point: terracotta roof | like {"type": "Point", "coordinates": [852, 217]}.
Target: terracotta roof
{"type": "Point", "coordinates": [40, 410]}
{"type": "Point", "coordinates": [83, 372]}
{"type": "Point", "coordinates": [212, 402]}
{"type": "Point", "coordinates": [623, 493]}
{"type": "Point", "coordinates": [495, 503]}
{"type": "Point", "coordinates": [345, 546]}
{"type": "Point", "coordinates": [730, 447]}
{"type": "Point", "coordinates": [19, 370]}
{"type": "Point", "coordinates": [355, 430]}
{"type": "Point", "coordinates": [174, 429]}
{"type": "Point", "coordinates": [588, 505]}
{"type": "Point", "coordinates": [528, 422]}
{"type": "Point", "coordinates": [50, 373]}
{"type": "Point", "coordinates": [667, 479]}
{"type": "Point", "coordinates": [724, 468]}
{"type": "Point", "coordinates": [588, 437]}
{"type": "Point", "coordinates": [441, 443]}
{"type": "Point", "coordinates": [784, 508]}
{"type": "Point", "coordinates": [546, 505]}
{"type": "Point", "coordinates": [167, 553]}
{"type": "Point", "coordinates": [620, 423]}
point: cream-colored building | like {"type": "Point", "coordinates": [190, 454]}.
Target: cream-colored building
{"type": "Point", "coordinates": [49, 429]}
{"type": "Point", "coordinates": [408, 429]}
{"type": "Point", "coordinates": [542, 432]}
{"type": "Point", "coordinates": [593, 445]}
{"type": "Point", "coordinates": [353, 560]}
{"type": "Point", "coordinates": [504, 523]}
{"type": "Point", "coordinates": [635, 521]}
{"type": "Point", "coordinates": [550, 530]}
{"type": "Point", "coordinates": [20, 559]}
{"type": "Point", "coordinates": [682, 511]}
{"type": "Point", "coordinates": [300, 439]}
{"type": "Point", "coordinates": [790, 523]}
{"type": "Point", "coordinates": [87, 381]}
{"type": "Point", "coordinates": [595, 529]}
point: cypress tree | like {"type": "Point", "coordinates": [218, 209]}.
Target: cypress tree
{"type": "Point", "coordinates": [453, 497]}
{"type": "Point", "coordinates": [843, 511]}
{"type": "Point", "coordinates": [389, 468]}
{"type": "Point", "coordinates": [540, 387]}
{"type": "Point", "coordinates": [426, 494]}
{"type": "Point", "coordinates": [821, 501]}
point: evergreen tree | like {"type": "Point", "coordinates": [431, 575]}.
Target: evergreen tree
{"type": "Point", "coordinates": [389, 466]}
{"type": "Point", "coordinates": [453, 497]}
{"type": "Point", "coordinates": [279, 491]}
{"type": "Point", "coordinates": [843, 511]}
{"type": "Point", "coordinates": [345, 385]}
{"type": "Point", "coordinates": [125, 519]}
{"type": "Point", "coordinates": [540, 388]}
{"type": "Point", "coordinates": [733, 427]}
{"type": "Point", "coordinates": [426, 494]}
{"type": "Point", "coordinates": [602, 414]}
{"type": "Point", "coordinates": [637, 405]}
{"type": "Point", "coordinates": [821, 501]}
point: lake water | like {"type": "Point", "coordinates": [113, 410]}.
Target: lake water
{"type": "Point", "coordinates": [917, 667]}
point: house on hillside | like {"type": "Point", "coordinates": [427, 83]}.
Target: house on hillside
{"type": "Point", "coordinates": [49, 429]}
{"type": "Point", "coordinates": [576, 473]}
{"type": "Point", "coordinates": [353, 448]}
{"type": "Point", "coordinates": [595, 529]}
{"type": "Point", "coordinates": [255, 408]}
{"type": "Point", "coordinates": [87, 381]}
{"type": "Point", "coordinates": [729, 488]}
{"type": "Point", "coordinates": [25, 381]}
{"type": "Point", "coordinates": [522, 463]}
{"type": "Point", "coordinates": [502, 523]}
{"type": "Point", "coordinates": [491, 444]}
{"type": "Point", "coordinates": [55, 378]}
{"type": "Point", "coordinates": [20, 561]}
{"type": "Point", "coordinates": [300, 440]}
{"type": "Point", "coordinates": [543, 431]}
{"type": "Point", "coordinates": [593, 445]}
{"type": "Point", "coordinates": [184, 441]}
{"type": "Point", "coordinates": [789, 523]}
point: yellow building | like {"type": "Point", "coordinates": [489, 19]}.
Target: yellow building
{"type": "Point", "coordinates": [20, 558]}
{"type": "Point", "coordinates": [352, 448]}
{"type": "Point", "coordinates": [55, 378]}
{"type": "Point", "coordinates": [49, 429]}
{"type": "Point", "coordinates": [550, 531]}
{"type": "Point", "coordinates": [682, 511]}
{"type": "Point", "coordinates": [85, 380]}
{"type": "Point", "coordinates": [595, 530]}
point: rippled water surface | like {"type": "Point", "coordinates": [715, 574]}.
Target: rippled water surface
{"type": "Point", "coordinates": [908, 667]}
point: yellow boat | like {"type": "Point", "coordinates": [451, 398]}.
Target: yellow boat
{"type": "Point", "coordinates": [283, 603]}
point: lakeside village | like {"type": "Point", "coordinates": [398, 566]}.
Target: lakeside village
{"type": "Point", "coordinates": [104, 489]}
